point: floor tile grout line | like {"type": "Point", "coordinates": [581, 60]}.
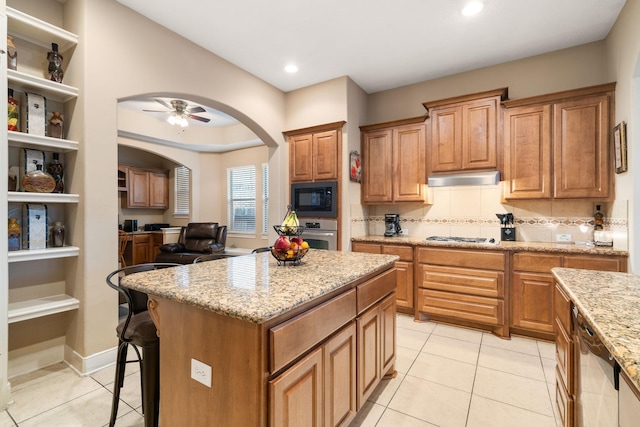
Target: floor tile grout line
{"type": "Point", "coordinates": [473, 384]}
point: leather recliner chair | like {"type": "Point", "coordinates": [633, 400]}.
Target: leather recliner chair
{"type": "Point", "coordinates": [196, 239]}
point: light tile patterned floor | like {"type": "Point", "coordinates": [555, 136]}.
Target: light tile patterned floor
{"type": "Point", "coordinates": [447, 376]}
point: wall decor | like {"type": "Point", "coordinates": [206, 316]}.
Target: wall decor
{"type": "Point", "coordinates": [355, 172]}
{"type": "Point", "coordinates": [620, 147]}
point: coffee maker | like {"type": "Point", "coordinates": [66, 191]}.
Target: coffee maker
{"type": "Point", "coordinates": [392, 225]}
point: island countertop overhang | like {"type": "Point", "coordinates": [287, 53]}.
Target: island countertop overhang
{"type": "Point", "coordinates": [254, 288]}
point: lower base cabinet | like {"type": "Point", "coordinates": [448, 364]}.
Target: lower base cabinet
{"type": "Point", "coordinates": [321, 386]}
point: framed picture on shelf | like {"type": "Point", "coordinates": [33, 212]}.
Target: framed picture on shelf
{"type": "Point", "coordinates": [620, 147]}
{"type": "Point", "coordinates": [355, 172]}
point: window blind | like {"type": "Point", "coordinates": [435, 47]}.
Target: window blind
{"type": "Point", "coordinates": [241, 198]}
{"type": "Point", "coordinates": [265, 198]}
{"type": "Point", "coordinates": [182, 193]}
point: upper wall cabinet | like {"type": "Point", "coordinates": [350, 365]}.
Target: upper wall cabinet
{"type": "Point", "coordinates": [557, 146]}
{"type": "Point", "coordinates": [393, 162]}
{"type": "Point", "coordinates": [463, 132]}
{"type": "Point", "coordinates": [314, 153]}
{"type": "Point", "coordinates": [146, 188]}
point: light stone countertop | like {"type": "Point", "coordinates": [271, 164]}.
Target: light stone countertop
{"type": "Point", "coordinates": [611, 304]}
{"type": "Point", "coordinates": [254, 287]}
{"type": "Point", "coordinates": [498, 246]}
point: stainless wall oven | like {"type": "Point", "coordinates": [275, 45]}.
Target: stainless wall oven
{"type": "Point", "coordinates": [315, 199]}
{"type": "Point", "coordinates": [321, 233]}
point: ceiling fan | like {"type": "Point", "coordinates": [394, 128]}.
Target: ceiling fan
{"type": "Point", "coordinates": [180, 112]}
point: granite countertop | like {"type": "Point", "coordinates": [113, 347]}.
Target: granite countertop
{"type": "Point", "coordinates": [498, 246]}
{"type": "Point", "coordinates": [611, 304]}
{"type": "Point", "coordinates": [254, 287]}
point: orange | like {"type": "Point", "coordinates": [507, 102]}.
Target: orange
{"type": "Point", "coordinates": [304, 245]}
{"type": "Point", "coordinates": [293, 246]}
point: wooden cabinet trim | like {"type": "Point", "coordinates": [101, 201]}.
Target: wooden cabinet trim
{"type": "Point", "coordinates": [394, 123]}
{"type": "Point", "coordinates": [292, 338]}
{"type": "Point", "coordinates": [314, 129]}
{"type": "Point", "coordinates": [560, 96]}
{"type": "Point", "coordinates": [503, 93]}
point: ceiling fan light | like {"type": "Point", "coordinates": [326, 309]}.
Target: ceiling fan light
{"type": "Point", "coordinates": [183, 122]}
{"type": "Point", "coordinates": [171, 119]}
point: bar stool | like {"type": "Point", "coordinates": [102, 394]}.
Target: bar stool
{"type": "Point", "coordinates": [259, 250]}
{"type": "Point", "coordinates": [122, 245]}
{"type": "Point", "coordinates": [138, 330]}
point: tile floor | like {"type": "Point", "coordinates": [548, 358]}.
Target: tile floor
{"type": "Point", "coordinates": [447, 376]}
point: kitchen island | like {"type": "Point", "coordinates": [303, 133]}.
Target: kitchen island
{"type": "Point", "coordinates": [244, 341]}
{"type": "Point", "coordinates": [610, 302]}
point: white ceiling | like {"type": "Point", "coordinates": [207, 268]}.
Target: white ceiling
{"type": "Point", "coordinates": [217, 118]}
{"type": "Point", "coordinates": [380, 44]}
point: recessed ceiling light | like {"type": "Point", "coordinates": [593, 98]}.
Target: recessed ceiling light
{"type": "Point", "coordinates": [291, 68]}
{"type": "Point", "coordinates": [472, 8]}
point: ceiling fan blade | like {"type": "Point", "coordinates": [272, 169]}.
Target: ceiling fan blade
{"type": "Point", "coordinates": [156, 111]}
{"type": "Point", "coordinates": [197, 109]}
{"type": "Point", "coordinates": [202, 119]}
{"type": "Point", "coordinates": [164, 104]}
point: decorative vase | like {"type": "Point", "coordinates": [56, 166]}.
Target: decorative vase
{"type": "Point", "coordinates": [57, 234]}
{"type": "Point", "coordinates": [14, 234]}
{"type": "Point", "coordinates": [56, 170]}
{"type": "Point", "coordinates": [56, 125]}
{"type": "Point", "coordinates": [13, 113]}
{"type": "Point", "coordinates": [55, 64]}
{"type": "Point", "coordinates": [12, 54]}
{"type": "Point", "coordinates": [38, 181]}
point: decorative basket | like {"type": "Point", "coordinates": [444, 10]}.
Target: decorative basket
{"type": "Point", "coordinates": [288, 230]}
{"type": "Point", "coordinates": [291, 256]}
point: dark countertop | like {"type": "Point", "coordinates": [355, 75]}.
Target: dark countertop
{"type": "Point", "coordinates": [498, 246]}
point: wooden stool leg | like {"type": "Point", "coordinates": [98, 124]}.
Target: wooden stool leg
{"type": "Point", "coordinates": [151, 384]}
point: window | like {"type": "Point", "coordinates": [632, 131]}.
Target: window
{"type": "Point", "coordinates": [241, 203]}
{"type": "Point", "coordinates": [265, 198]}
{"type": "Point", "coordinates": [182, 193]}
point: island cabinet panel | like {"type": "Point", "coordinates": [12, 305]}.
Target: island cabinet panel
{"type": "Point", "coordinates": [340, 381]}
{"type": "Point", "coordinates": [464, 286]}
{"type": "Point", "coordinates": [295, 336]}
{"type": "Point", "coordinates": [565, 369]}
{"type": "Point", "coordinates": [404, 270]}
{"type": "Point", "coordinates": [373, 290]}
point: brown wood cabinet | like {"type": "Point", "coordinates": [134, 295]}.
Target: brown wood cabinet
{"type": "Point", "coordinates": [145, 188]}
{"type": "Point", "coordinates": [565, 348]}
{"type": "Point", "coordinates": [393, 162]}
{"type": "Point", "coordinates": [462, 286]}
{"type": "Point", "coordinates": [464, 131]}
{"type": "Point", "coordinates": [404, 270]}
{"type": "Point", "coordinates": [314, 153]}
{"type": "Point", "coordinates": [532, 287]}
{"type": "Point", "coordinates": [558, 145]}
{"type": "Point", "coordinates": [141, 248]}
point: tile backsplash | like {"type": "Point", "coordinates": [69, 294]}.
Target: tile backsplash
{"type": "Point", "coordinates": [471, 212]}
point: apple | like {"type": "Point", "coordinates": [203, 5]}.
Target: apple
{"type": "Point", "coordinates": [297, 240]}
{"type": "Point", "coordinates": [281, 244]}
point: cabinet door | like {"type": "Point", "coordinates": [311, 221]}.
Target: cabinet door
{"type": "Point", "coordinates": [138, 194]}
{"type": "Point", "coordinates": [388, 337]}
{"type": "Point", "coordinates": [340, 382]}
{"type": "Point", "coordinates": [300, 149]}
{"type": "Point", "coordinates": [532, 301]}
{"type": "Point", "coordinates": [325, 155]}
{"type": "Point", "coordinates": [158, 189]}
{"type": "Point", "coordinates": [141, 248]}
{"type": "Point", "coordinates": [409, 152]}
{"type": "Point", "coordinates": [445, 145]}
{"type": "Point", "coordinates": [581, 148]}
{"type": "Point", "coordinates": [296, 397]}
{"type": "Point", "coordinates": [377, 172]}
{"type": "Point", "coordinates": [479, 139]}
{"type": "Point", "coordinates": [369, 360]}
{"type": "Point", "coordinates": [527, 152]}
{"type": "Point", "coordinates": [404, 290]}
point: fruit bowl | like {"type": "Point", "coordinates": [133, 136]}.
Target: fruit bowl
{"type": "Point", "coordinates": [288, 230]}
{"type": "Point", "coordinates": [290, 255]}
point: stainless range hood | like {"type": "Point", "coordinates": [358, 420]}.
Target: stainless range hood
{"type": "Point", "coordinates": [465, 178]}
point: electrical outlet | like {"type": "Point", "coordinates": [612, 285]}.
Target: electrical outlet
{"type": "Point", "coordinates": [201, 372]}
{"type": "Point", "coordinates": [563, 237]}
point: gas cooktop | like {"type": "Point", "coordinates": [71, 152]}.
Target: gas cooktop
{"type": "Point", "coordinates": [459, 239]}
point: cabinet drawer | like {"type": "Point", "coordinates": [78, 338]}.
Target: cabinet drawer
{"type": "Point", "coordinates": [292, 338]}
{"type": "Point", "coordinates": [463, 280]}
{"type": "Point", "coordinates": [373, 290]}
{"type": "Point", "coordinates": [369, 248]}
{"type": "Point", "coordinates": [564, 356]}
{"type": "Point", "coordinates": [489, 311]}
{"type": "Point", "coordinates": [489, 260]}
{"type": "Point", "coordinates": [564, 403]}
{"type": "Point", "coordinates": [593, 263]}
{"type": "Point", "coordinates": [563, 309]}
{"type": "Point", "coordinates": [404, 252]}
{"type": "Point", "coordinates": [142, 238]}
{"type": "Point", "coordinates": [540, 263]}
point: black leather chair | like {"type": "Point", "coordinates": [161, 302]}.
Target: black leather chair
{"type": "Point", "coordinates": [196, 239]}
{"type": "Point", "coordinates": [138, 330]}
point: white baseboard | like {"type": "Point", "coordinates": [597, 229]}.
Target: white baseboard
{"type": "Point", "coordinates": [90, 364]}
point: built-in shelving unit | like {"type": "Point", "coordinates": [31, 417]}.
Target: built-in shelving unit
{"type": "Point", "coordinates": [38, 307]}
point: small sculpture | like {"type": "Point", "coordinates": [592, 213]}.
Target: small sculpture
{"type": "Point", "coordinates": [55, 64]}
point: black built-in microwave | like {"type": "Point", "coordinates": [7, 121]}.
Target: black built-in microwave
{"type": "Point", "coordinates": [315, 199]}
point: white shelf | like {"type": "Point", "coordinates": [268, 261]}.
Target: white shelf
{"type": "Point", "coordinates": [47, 88]}
{"type": "Point", "coordinates": [25, 197]}
{"type": "Point", "coordinates": [39, 32]}
{"type": "Point", "coordinates": [40, 254]}
{"type": "Point", "coordinates": [39, 307]}
{"type": "Point", "coordinates": [26, 140]}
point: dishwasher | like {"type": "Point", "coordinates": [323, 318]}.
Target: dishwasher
{"type": "Point", "coordinates": [597, 378]}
